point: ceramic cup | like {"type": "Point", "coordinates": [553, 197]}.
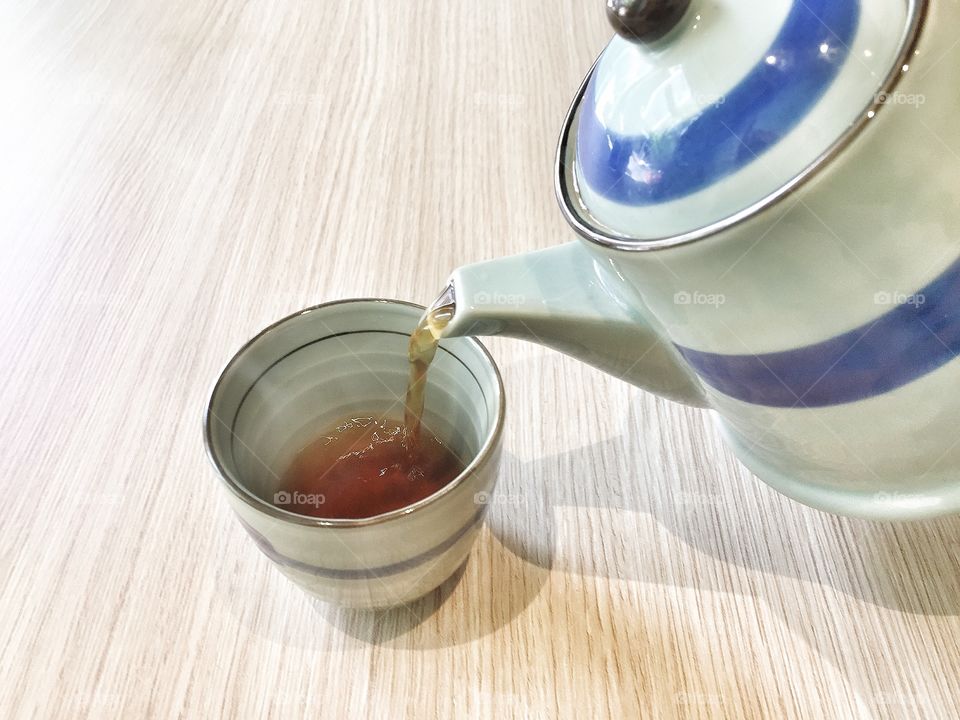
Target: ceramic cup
{"type": "Point", "coordinates": [318, 366]}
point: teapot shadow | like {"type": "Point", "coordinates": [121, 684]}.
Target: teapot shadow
{"type": "Point", "coordinates": [905, 566]}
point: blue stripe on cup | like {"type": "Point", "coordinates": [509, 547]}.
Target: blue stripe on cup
{"type": "Point", "coordinates": [768, 103]}
{"type": "Point", "coordinates": [920, 334]}
{"type": "Point", "coordinates": [267, 548]}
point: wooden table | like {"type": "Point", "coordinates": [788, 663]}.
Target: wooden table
{"type": "Point", "coordinates": [177, 175]}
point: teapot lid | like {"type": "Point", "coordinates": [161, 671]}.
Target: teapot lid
{"type": "Point", "coordinates": [699, 112]}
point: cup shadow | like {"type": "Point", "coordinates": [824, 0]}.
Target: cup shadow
{"type": "Point", "coordinates": [470, 608]}
{"type": "Point", "coordinates": [381, 626]}
{"type": "Point", "coordinates": [509, 555]}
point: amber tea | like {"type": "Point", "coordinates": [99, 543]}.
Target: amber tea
{"type": "Point", "coordinates": [362, 467]}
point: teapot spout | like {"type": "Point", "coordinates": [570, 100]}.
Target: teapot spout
{"type": "Point", "coordinates": [563, 299]}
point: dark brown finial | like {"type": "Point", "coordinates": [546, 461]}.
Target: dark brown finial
{"type": "Point", "coordinates": [645, 20]}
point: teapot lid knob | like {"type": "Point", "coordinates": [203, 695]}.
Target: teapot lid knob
{"type": "Point", "coordinates": [645, 20]}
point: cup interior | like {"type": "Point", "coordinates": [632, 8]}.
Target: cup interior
{"type": "Point", "coordinates": [334, 361]}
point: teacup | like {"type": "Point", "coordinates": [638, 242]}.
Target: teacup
{"type": "Point", "coordinates": [333, 361]}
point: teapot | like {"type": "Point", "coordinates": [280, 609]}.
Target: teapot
{"type": "Point", "coordinates": [766, 199]}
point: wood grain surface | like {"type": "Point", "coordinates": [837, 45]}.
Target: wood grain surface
{"type": "Point", "coordinates": [177, 175]}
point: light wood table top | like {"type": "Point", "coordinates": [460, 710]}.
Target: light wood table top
{"type": "Point", "coordinates": [177, 175]}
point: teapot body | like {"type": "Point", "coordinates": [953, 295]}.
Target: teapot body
{"type": "Point", "coordinates": [821, 324]}
{"type": "Point", "coordinates": [825, 329]}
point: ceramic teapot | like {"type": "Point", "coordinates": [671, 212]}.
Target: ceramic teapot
{"type": "Point", "coordinates": [767, 195]}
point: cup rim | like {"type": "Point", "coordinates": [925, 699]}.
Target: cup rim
{"type": "Point", "coordinates": [259, 504]}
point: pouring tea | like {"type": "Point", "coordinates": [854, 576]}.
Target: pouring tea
{"type": "Point", "coordinates": [765, 198]}
{"type": "Point", "coordinates": [765, 194]}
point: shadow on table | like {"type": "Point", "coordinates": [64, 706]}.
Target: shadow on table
{"type": "Point", "coordinates": [742, 537]}
{"type": "Point", "coordinates": [908, 567]}
{"type": "Point", "coordinates": [905, 566]}
{"type": "Point", "coordinates": [505, 571]}
{"type": "Point", "coordinates": [636, 493]}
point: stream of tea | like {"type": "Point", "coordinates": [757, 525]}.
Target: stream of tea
{"type": "Point", "coordinates": [367, 465]}
{"type": "Point", "coordinates": [420, 353]}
